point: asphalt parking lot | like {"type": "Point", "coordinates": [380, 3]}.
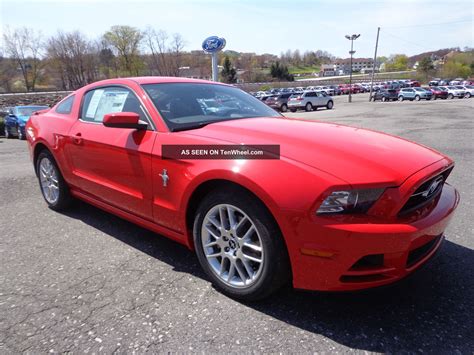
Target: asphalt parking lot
{"type": "Point", "coordinates": [86, 281]}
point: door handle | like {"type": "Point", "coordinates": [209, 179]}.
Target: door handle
{"type": "Point", "coordinates": [77, 139]}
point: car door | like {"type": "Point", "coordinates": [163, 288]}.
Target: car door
{"type": "Point", "coordinates": [11, 120]}
{"type": "Point", "coordinates": [112, 164]}
{"type": "Point", "coordinates": [321, 99]}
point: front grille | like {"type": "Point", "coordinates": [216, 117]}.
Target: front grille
{"type": "Point", "coordinates": [425, 193]}
{"type": "Point", "coordinates": [419, 253]}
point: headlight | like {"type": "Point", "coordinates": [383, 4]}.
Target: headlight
{"type": "Point", "coordinates": [350, 201]}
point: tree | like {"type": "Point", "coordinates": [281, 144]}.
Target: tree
{"type": "Point", "coordinates": [74, 58]}
{"type": "Point", "coordinates": [397, 62]}
{"type": "Point", "coordinates": [165, 55]}
{"type": "Point", "coordinates": [426, 66]}
{"type": "Point", "coordinates": [24, 45]}
{"type": "Point", "coordinates": [280, 72]}
{"type": "Point", "coordinates": [126, 40]}
{"type": "Point", "coordinates": [228, 73]}
{"type": "Point", "coordinates": [459, 65]}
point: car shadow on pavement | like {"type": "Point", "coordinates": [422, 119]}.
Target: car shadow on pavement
{"type": "Point", "coordinates": [430, 311]}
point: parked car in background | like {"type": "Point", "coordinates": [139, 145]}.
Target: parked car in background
{"type": "Point", "coordinates": [310, 100]}
{"type": "Point", "coordinates": [16, 119]}
{"type": "Point", "coordinates": [414, 83]}
{"type": "Point", "coordinates": [438, 93]}
{"type": "Point", "coordinates": [337, 89]}
{"type": "Point", "coordinates": [453, 92]}
{"type": "Point", "coordinates": [469, 90]}
{"type": "Point", "coordinates": [279, 102]}
{"type": "Point", "coordinates": [414, 93]}
{"type": "Point", "coordinates": [385, 95]}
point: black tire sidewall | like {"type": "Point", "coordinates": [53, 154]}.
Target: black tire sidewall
{"type": "Point", "coordinates": [276, 270]}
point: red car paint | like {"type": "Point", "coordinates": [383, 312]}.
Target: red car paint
{"type": "Point", "coordinates": [117, 169]}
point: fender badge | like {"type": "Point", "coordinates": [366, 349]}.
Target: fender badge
{"type": "Point", "coordinates": [164, 177]}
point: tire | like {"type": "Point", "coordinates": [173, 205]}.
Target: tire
{"type": "Point", "coordinates": [274, 269]}
{"type": "Point", "coordinates": [468, 95]}
{"type": "Point", "coordinates": [284, 108]}
{"type": "Point", "coordinates": [450, 96]}
{"type": "Point", "coordinates": [308, 107]}
{"type": "Point", "coordinates": [20, 135]}
{"type": "Point", "coordinates": [292, 109]}
{"type": "Point", "coordinates": [53, 187]}
{"type": "Point", "coordinates": [434, 97]}
{"type": "Point", "coordinates": [400, 98]}
{"type": "Point", "coordinates": [384, 99]}
{"type": "Point", "coordinates": [417, 98]}
{"type": "Point", "coordinates": [7, 133]}
{"type": "Point", "coordinates": [330, 105]}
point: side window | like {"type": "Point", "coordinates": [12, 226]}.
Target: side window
{"type": "Point", "coordinates": [100, 102]}
{"type": "Point", "coordinates": [65, 106]}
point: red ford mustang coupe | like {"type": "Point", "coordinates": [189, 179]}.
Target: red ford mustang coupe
{"type": "Point", "coordinates": [340, 208]}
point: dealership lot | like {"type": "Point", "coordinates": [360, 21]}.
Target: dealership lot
{"type": "Point", "coordinates": [86, 280]}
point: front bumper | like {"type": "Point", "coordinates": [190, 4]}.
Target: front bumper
{"type": "Point", "coordinates": [354, 253]}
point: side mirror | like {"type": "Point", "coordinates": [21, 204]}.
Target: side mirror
{"type": "Point", "coordinates": [124, 120]}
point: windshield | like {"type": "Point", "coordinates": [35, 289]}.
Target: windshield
{"type": "Point", "coordinates": [28, 111]}
{"type": "Point", "coordinates": [193, 105]}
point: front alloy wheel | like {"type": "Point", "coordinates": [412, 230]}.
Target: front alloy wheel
{"type": "Point", "coordinates": [232, 245]}
{"type": "Point", "coordinates": [239, 245]}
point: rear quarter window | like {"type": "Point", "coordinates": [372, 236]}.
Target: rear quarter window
{"type": "Point", "coordinates": [65, 106]}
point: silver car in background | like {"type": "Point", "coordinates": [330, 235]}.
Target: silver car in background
{"type": "Point", "coordinates": [310, 100]}
{"type": "Point", "coordinates": [454, 91]}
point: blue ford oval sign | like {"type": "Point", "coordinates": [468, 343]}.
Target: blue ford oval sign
{"type": "Point", "coordinates": [213, 44]}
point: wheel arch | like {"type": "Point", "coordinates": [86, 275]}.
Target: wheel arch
{"type": "Point", "coordinates": [39, 147]}
{"type": "Point", "coordinates": [206, 187]}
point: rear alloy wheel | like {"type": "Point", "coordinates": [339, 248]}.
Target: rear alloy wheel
{"type": "Point", "coordinates": [308, 107]}
{"type": "Point", "coordinates": [7, 133]}
{"type": "Point", "coordinates": [20, 135]}
{"type": "Point", "coordinates": [400, 98]}
{"type": "Point", "coordinates": [284, 108]}
{"type": "Point", "coordinates": [330, 105]}
{"type": "Point", "coordinates": [239, 245]}
{"type": "Point", "coordinates": [417, 98]}
{"type": "Point", "coordinates": [384, 98]}
{"type": "Point", "coordinates": [53, 187]}
{"type": "Point", "coordinates": [450, 96]}
{"type": "Point", "coordinates": [468, 95]}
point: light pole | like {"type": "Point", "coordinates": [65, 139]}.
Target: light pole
{"type": "Point", "coordinates": [352, 51]}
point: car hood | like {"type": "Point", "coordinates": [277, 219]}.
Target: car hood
{"type": "Point", "coordinates": [358, 156]}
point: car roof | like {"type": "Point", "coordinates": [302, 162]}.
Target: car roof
{"type": "Point", "coordinates": [28, 106]}
{"type": "Point", "coordinates": [142, 80]}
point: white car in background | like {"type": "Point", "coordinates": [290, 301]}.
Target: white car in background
{"type": "Point", "coordinates": [327, 90]}
{"type": "Point", "coordinates": [469, 90]}
{"type": "Point", "coordinates": [454, 91]}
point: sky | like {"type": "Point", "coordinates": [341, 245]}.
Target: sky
{"type": "Point", "coordinates": [408, 27]}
